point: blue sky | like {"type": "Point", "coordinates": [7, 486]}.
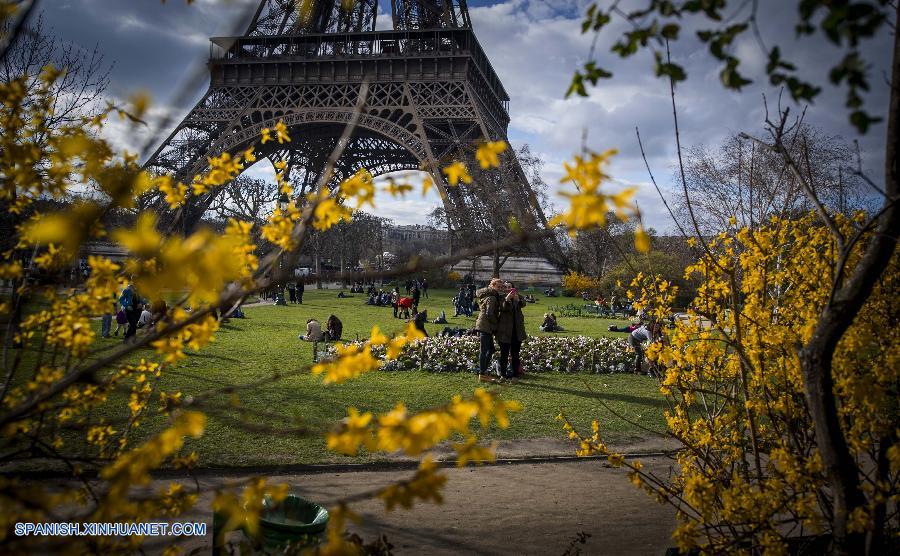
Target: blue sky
{"type": "Point", "coordinates": [534, 45]}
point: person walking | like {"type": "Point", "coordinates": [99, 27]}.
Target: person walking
{"type": "Point", "coordinates": [510, 331]}
{"type": "Point", "coordinates": [425, 287]}
{"type": "Point", "coordinates": [121, 321]}
{"type": "Point", "coordinates": [416, 294]}
{"type": "Point", "coordinates": [300, 287]}
{"type": "Point", "coordinates": [292, 292]}
{"type": "Point", "coordinates": [129, 302]}
{"type": "Point", "coordinates": [486, 325]}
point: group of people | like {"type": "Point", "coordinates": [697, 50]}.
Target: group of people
{"type": "Point", "coordinates": [464, 300]}
{"type": "Point", "coordinates": [549, 323]}
{"type": "Point", "coordinates": [613, 306]}
{"type": "Point", "coordinates": [131, 313]}
{"type": "Point", "coordinates": [294, 291]}
{"type": "Point", "coordinates": [500, 318]}
{"type": "Point", "coordinates": [404, 306]}
{"type": "Point", "coordinates": [500, 321]}
{"type": "Point", "coordinates": [379, 298]}
{"type": "Point", "coordinates": [417, 284]}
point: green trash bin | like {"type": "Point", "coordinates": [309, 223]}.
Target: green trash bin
{"type": "Point", "coordinates": [293, 520]}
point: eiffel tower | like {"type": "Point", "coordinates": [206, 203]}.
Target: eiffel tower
{"type": "Point", "coordinates": [431, 96]}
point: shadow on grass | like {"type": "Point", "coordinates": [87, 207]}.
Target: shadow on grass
{"type": "Point", "coordinates": [607, 396]}
{"type": "Point", "coordinates": [207, 355]}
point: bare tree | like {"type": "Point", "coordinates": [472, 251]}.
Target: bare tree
{"type": "Point", "coordinates": [595, 251]}
{"type": "Point", "coordinates": [77, 94]}
{"type": "Point", "coordinates": [247, 199]}
{"type": "Point", "coordinates": [739, 179]}
{"type": "Point", "coordinates": [351, 243]}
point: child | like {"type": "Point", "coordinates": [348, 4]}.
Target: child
{"type": "Point", "coordinates": [121, 321]}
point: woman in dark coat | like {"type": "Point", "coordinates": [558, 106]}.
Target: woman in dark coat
{"type": "Point", "coordinates": [510, 331]}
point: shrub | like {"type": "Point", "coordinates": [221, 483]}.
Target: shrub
{"type": "Point", "coordinates": [574, 283]}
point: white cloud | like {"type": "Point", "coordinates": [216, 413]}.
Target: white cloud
{"type": "Point", "coordinates": [535, 50]}
{"type": "Point", "coordinates": [535, 45]}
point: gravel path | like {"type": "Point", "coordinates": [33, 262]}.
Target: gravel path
{"type": "Point", "coordinates": [522, 508]}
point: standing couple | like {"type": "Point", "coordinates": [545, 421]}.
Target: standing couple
{"type": "Point", "coordinates": [500, 317]}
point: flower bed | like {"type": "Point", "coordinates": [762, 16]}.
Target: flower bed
{"type": "Point", "coordinates": [540, 354]}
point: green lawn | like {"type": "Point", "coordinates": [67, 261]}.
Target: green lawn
{"type": "Point", "coordinates": [252, 349]}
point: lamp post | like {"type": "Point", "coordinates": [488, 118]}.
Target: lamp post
{"type": "Point", "coordinates": [279, 292]}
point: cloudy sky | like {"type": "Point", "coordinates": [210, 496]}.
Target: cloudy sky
{"type": "Point", "coordinates": [534, 45]}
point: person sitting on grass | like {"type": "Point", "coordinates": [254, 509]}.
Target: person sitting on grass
{"type": "Point", "coordinates": [146, 317]}
{"type": "Point", "coordinates": [549, 324]}
{"type": "Point", "coordinates": [313, 332]}
{"type": "Point", "coordinates": [442, 319]}
{"type": "Point", "coordinates": [630, 328]}
{"type": "Point", "coordinates": [342, 295]}
{"type": "Point", "coordinates": [333, 328]}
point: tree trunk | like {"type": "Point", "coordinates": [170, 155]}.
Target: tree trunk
{"type": "Point", "coordinates": [496, 268]}
{"type": "Point", "coordinates": [817, 355]}
{"type": "Point", "coordinates": [318, 272]}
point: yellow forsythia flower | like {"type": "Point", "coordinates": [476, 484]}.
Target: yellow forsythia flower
{"type": "Point", "coordinates": [457, 172]}
{"type": "Point", "coordinates": [488, 154]}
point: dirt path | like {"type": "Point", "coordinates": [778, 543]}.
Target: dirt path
{"type": "Point", "coordinates": [501, 509]}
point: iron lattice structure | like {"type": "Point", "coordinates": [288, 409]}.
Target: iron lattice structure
{"type": "Point", "coordinates": [430, 95]}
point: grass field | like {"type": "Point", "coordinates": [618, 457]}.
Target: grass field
{"type": "Point", "coordinates": [252, 349]}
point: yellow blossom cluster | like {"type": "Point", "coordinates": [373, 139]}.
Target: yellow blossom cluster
{"type": "Point", "coordinates": [589, 205]}
{"type": "Point", "coordinates": [361, 187]}
{"type": "Point", "coordinates": [419, 432]}
{"type": "Point", "coordinates": [202, 263]}
{"type": "Point", "coordinates": [488, 154]}
{"type": "Point", "coordinates": [733, 378]}
{"type": "Point", "coordinates": [353, 360]}
{"type": "Point", "coordinates": [457, 172]}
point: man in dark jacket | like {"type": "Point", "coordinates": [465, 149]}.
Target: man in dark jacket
{"type": "Point", "coordinates": [510, 331]}
{"type": "Point", "coordinates": [300, 288]}
{"type": "Point", "coordinates": [486, 325]}
{"type": "Point", "coordinates": [416, 295]}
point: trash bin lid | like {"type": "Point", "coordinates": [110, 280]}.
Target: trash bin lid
{"type": "Point", "coordinates": [294, 515]}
